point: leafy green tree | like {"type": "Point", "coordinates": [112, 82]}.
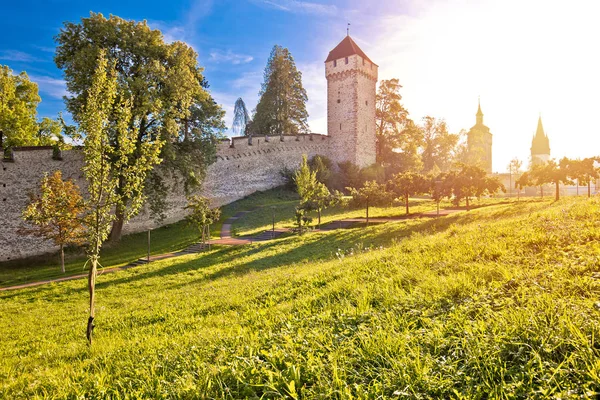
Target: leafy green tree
{"type": "Point", "coordinates": [438, 145]}
{"type": "Point", "coordinates": [50, 132]}
{"type": "Point", "coordinates": [585, 171]}
{"type": "Point", "coordinates": [116, 163]}
{"type": "Point", "coordinates": [306, 181]}
{"type": "Point", "coordinates": [322, 167]}
{"type": "Point", "coordinates": [472, 181]}
{"type": "Point", "coordinates": [371, 194]}
{"type": "Point", "coordinates": [524, 180]}
{"type": "Point", "coordinates": [514, 168]}
{"type": "Point", "coordinates": [282, 105]}
{"type": "Point", "coordinates": [302, 218]}
{"type": "Point", "coordinates": [321, 199]}
{"type": "Point", "coordinates": [398, 138]}
{"type": "Point", "coordinates": [407, 184]}
{"type": "Point", "coordinates": [441, 185]}
{"type": "Point", "coordinates": [202, 216]}
{"type": "Point", "coordinates": [170, 104]}
{"type": "Point", "coordinates": [56, 213]}
{"type": "Point", "coordinates": [349, 175]}
{"type": "Point", "coordinates": [18, 107]}
{"type": "Point", "coordinates": [552, 172]}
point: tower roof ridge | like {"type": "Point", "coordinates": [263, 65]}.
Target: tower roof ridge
{"type": "Point", "coordinates": [346, 48]}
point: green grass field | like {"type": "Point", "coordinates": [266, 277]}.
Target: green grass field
{"type": "Point", "coordinates": [499, 302]}
{"type": "Point", "coordinates": [163, 240]}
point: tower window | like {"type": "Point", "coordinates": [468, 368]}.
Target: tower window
{"type": "Point", "coordinates": [340, 127]}
{"type": "Point", "coordinates": [346, 60]}
{"type": "Point", "coordinates": [335, 63]}
{"type": "Point", "coordinates": [339, 101]}
{"type": "Point", "coordinates": [366, 102]}
{"type": "Point", "coordinates": [363, 61]}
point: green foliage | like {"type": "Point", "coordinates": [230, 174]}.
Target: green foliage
{"type": "Point", "coordinates": [398, 138]}
{"type": "Point", "coordinates": [18, 108]}
{"type": "Point", "coordinates": [282, 105]}
{"type": "Point", "coordinates": [322, 166]}
{"type": "Point", "coordinates": [115, 163]}
{"type": "Point", "coordinates": [497, 303]}
{"type": "Point", "coordinates": [55, 214]}
{"type": "Point", "coordinates": [163, 83]}
{"type": "Point", "coordinates": [201, 215]}
{"type": "Point", "coordinates": [407, 184]}
{"type": "Point", "coordinates": [472, 181]}
{"type": "Point", "coordinates": [306, 181]}
{"type": "Point", "coordinates": [369, 195]}
{"type": "Point", "coordinates": [348, 175]}
{"type": "Point", "coordinates": [439, 145]}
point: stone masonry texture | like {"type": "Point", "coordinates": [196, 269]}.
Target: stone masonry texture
{"type": "Point", "coordinates": [242, 166]}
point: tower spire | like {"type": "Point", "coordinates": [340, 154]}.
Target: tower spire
{"type": "Point", "coordinates": [348, 29]}
{"type": "Point", "coordinates": [479, 114]}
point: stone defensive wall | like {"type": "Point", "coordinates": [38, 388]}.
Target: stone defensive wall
{"type": "Point", "coordinates": [242, 167]}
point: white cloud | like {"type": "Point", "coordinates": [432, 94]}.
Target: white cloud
{"type": "Point", "coordinates": [301, 7]}
{"type": "Point", "coordinates": [229, 57]}
{"type": "Point", "coordinates": [18, 56]}
{"type": "Point", "coordinates": [53, 87]}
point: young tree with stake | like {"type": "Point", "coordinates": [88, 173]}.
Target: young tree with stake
{"type": "Point", "coordinates": [116, 164]}
{"type": "Point", "coordinates": [371, 194]}
{"type": "Point", "coordinates": [202, 216]}
{"type": "Point", "coordinates": [408, 184]}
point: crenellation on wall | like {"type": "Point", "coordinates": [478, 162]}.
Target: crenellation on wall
{"type": "Point", "coordinates": [237, 172]}
{"type": "Point", "coordinates": [242, 166]}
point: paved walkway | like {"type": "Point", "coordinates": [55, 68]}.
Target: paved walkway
{"type": "Point", "coordinates": [227, 240]}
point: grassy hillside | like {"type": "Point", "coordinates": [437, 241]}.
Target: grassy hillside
{"type": "Point", "coordinates": [163, 240]}
{"type": "Point", "coordinates": [500, 302]}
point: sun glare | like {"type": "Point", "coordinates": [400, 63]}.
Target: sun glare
{"type": "Point", "coordinates": [522, 57]}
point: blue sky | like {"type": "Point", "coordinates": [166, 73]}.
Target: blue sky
{"type": "Point", "coordinates": [233, 38]}
{"type": "Point", "coordinates": [523, 57]}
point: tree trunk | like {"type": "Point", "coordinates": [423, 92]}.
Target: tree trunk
{"type": "Point", "coordinates": [62, 258]}
{"type": "Point", "coordinates": [557, 192]}
{"type": "Point", "coordinates": [467, 203]}
{"type": "Point", "coordinates": [319, 212]}
{"type": "Point", "coordinates": [542, 190]}
{"type": "Point", "coordinates": [92, 290]}
{"type": "Point", "coordinates": [589, 188]}
{"type": "Point", "coordinates": [577, 186]}
{"type": "Point", "coordinates": [406, 204]}
{"type": "Point", "coordinates": [367, 214]}
{"type": "Point", "coordinates": [117, 227]}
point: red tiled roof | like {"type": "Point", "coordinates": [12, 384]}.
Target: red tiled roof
{"type": "Point", "coordinates": [347, 48]}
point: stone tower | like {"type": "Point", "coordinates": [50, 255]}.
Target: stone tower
{"type": "Point", "coordinates": [479, 143]}
{"type": "Point", "coordinates": [351, 89]}
{"type": "Point", "coordinates": [540, 145]}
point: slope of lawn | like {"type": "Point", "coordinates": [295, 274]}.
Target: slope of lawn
{"type": "Point", "coordinates": [163, 240]}
{"type": "Point", "coordinates": [499, 302]}
{"type": "Point", "coordinates": [283, 213]}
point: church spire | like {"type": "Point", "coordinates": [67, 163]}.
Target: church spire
{"type": "Point", "coordinates": [540, 145]}
{"type": "Point", "coordinates": [540, 129]}
{"type": "Point", "coordinates": [479, 113]}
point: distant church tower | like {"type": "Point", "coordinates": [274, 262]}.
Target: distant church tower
{"type": "Point", "coordinates": [351, 88]}
{"type": "Point", "coordinates": [540, 145]}
{"type": "Point", "coordinates": [479, 143]}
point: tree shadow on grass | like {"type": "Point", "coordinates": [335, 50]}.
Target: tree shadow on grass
{"type": "Point", "coordinates": [318, 246]}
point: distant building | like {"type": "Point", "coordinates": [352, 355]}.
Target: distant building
{"type": "Point", "coordinates": [540, 145]}
{"type": "Point", "coordinates": [479, 143]}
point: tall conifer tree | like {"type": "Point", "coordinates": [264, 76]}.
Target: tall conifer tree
{"type": "Point", "coordinates": [282, 106]}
